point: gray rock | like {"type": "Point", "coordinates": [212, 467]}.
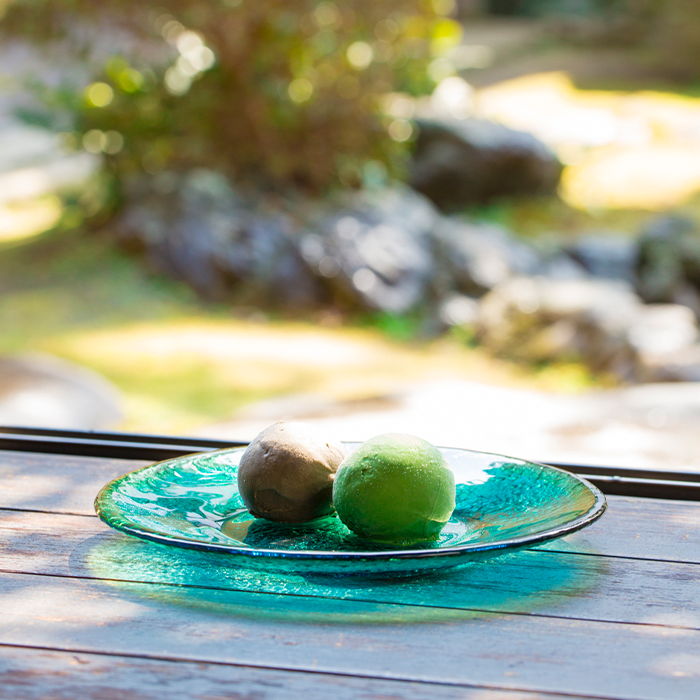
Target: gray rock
{"type": "Point", "coordinates": [668, 266]}
{"type": "Point", "coordinates": [562, 267]}
{"type": "Point", "coordinates": [195, 227]}
{"type": "Point", "coordinates": [606, 255]}
{"type": "Point", "coordinates": [477, 257]}
{"type": "Point", "coordinates": [665, 338]}
{"type": "Point", "coordinates": [458, 310]}
{"type": "Point", "coordinates": [539, 319]}
{"type": "Point", "coordinates": [45, 391]}
{"type": "Point", "coordinates": [601, 323]}
{"type": "Point", "coordinates": [663, 329]}
{"type": "Point", "coordinates": [376, 251]}
{"type": "Point", "coordinates": [466, 161]}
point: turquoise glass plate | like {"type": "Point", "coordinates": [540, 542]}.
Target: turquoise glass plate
{"type": "Point", "coordinates": [503, 504]}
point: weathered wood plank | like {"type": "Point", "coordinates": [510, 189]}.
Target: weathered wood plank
{"type": "Point", "coordinates": [362, 639]}
{"type": "Point", "coordinates": [645, 528]}
{"type": "Point", "coordinates": [37, 674]}
{"type": "Point", "coordinates": [423, 639]}
{"type": "Point", "coordinates": [536, 582]}
{"type": "Point", "coordinates": [57, 483]}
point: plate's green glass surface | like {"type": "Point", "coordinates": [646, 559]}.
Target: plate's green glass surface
{"type": "Point", "coordinates": [503, 504]}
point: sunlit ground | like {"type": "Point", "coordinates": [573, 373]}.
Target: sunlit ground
{"type": "Point", "coordinates": [24, 219]}
{"type": "Point", "coordinates": [622, 149]}
{"type": "Point", "coordinates": [183, 373]}
{"type": "Point", "coordinates": [181, 365]}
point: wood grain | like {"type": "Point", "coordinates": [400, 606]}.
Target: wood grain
{"type": "Point", "coordinates": [68, 676]}
{"type": "Point", "coordinates": [572, 584]}
{"type": "Point", "coordinates": [646, 528]}
{"type": "Point", "coordinates": [351, 638]}
{"type": "Point", "coordinates": [609, 612]}
{"type": "Point", "coordinates": [56, 483]}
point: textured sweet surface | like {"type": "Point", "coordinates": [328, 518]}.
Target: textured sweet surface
{"type": "Point", "coordinates": [395, 488]}
{"type": "Point", "coordinates": [286, 473]}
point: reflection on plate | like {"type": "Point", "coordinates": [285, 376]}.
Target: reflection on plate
{"type": "Point", "coordinates": [503, 504]}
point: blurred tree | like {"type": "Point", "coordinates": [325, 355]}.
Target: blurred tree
{"type": "Point", "coordinates": [275, 92]}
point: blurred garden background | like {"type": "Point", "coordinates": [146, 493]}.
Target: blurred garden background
{"type": "Point", "coordinates": [473, 220]}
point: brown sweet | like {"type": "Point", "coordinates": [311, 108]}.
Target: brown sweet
{"type": "Point", "coordinates": [286, 473]}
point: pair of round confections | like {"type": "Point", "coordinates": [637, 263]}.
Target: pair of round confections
{"type": "Point", "coordinates": [394, 488]}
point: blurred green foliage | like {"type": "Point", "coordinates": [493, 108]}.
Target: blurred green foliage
{"type": "Point", "coordinates": [273, 92]}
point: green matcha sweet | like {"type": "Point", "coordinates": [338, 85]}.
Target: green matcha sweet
{"type": "Point", "coordinates": [396, 489]}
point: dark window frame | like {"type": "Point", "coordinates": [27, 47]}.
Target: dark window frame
{"type": "Point", "coordinates": [617, 481]}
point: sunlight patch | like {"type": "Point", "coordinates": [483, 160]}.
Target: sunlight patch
{"type": "Point", "coordinates": [26, 219]}
{"type": "Point", "coordinates": [622, 150]}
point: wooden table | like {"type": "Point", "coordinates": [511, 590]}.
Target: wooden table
{"type": "Point", "coordinates": [85, 612]}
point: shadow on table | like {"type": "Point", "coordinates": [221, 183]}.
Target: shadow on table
{"type": "Point", "coordinates": [517, 583]}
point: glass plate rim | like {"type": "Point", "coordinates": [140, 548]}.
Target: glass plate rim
{"type": "Point", "coordinates": [594, 513]}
